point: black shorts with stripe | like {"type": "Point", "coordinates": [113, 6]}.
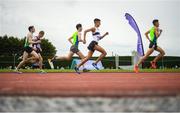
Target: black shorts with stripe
{"type": "Point", "coordinates": [74, 49]}
{"type": "Point", "coordinates": [153, 45]}
{"type": "Point", "coordinates": [92, 45]}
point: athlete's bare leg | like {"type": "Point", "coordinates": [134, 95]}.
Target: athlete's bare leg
{"type": "Point", "coordinates": [24, 58]}
{"type": "Point", "coordinates": [68, 57]}
{"type": "Point", "coordinates": [162, 53]}
{"type": "Point", "coordinates": [148, 53]}
{"type": "Point", "coordinates": [81, 56]}
{"type": "Point", "coordinates": [40, 61]}
{"type": "Point", "coordinates": [103, 53]}
{"type": "Point", "coordinates": [34, 57]}
{"type": "Point", "coordinates": [90, 53]}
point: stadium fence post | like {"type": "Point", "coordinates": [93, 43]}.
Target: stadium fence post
{"type": "Point", "coordinates": [117, 61]}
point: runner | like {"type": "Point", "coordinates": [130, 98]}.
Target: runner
{"type": "Point", "coordinates": [154, 33]}
{"type": "Point", "coordinates": [37, 48]}
{"type": "Point", "coordinates": [28, 50]}
{"type": "Point", "coordinates": [93, 45]}
{"type": "Point", "coordinates": [76, 37]}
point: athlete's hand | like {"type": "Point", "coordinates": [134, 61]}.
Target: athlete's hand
{"type": "Point", "coordinates": [107, 33]}
{"type": "Point", "coordinates": [160, 30]}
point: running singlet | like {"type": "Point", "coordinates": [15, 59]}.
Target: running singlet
{"type": "Point", "coordinates": [152, 35]}
{"type": "Point", "coordinates": [96, 35]}
{"type": "Point", "coordinates": [27, 44]}
{"type": "Point", "coordinates": [37, 45]}
{"type": "Point", "coordinates": [75, 39]}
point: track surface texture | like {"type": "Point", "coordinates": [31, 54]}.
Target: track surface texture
{"type": "Point", "coordinates": [90, 84]}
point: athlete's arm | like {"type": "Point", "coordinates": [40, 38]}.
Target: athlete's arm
{"type": "Point", "coordinates": [86, 31]}
{"type": "Point", "coordinates": [70, 39]}
{"type": "Point", "coordinates": [79, 37]}
{"type": "Point", "coordinates": [34, 42]}
{"type": "Point", "coordinates": [104, 35]}
{"type": "Point", "coordinates": [37, 42]}
{"type": "Point", "coordinates": [157, 33]}
{"type": "Point", "coordinates": [146, 34]}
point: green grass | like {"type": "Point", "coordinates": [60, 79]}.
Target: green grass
{"type": "Point", "coordinates": [97, 71]}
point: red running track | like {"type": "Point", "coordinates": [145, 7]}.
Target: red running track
{"type": "Point", "coordinates": [90, 84]}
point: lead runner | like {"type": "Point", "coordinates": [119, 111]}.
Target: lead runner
{"type": "Point", "coordinates": [93, 45]}
{"type": "Point", "coordinates": [154, 33]}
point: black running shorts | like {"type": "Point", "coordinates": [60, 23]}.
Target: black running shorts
{"type": "Point", "coordinates": [74, 49]}
{"type": "Point", "coordinates": [92, 45]}
{"type": "Point", "coordinates": [153, 45]}
{"type": "Point", "coordinates": [28, 49]}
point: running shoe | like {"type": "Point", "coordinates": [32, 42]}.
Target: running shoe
{"type": "Point", "coordinates": [17, 71]}
{"type": "Point", "coordinates": [42, 71]}
{"type": "Point", "coordinates": [136, 69]}
{"type": "Point", "coordinates": [50, 61]}
{"type": "Point", "coordinates": [95, 65]}
{"type": "Point", "coordinates": [77, 70]}
{"type": "Point", "coordinates": [153, 65]}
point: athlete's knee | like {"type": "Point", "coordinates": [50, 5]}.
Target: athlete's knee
{"type": "Point", "coordinates": [162, 53]}
{"type": "Point", "coordinates": [36, 58]}
{"type": "Point", "coordinates": [83, 57]}
{"type": "Point", "coordinates": [143, 58]}
{"type": "Point", "coordinates": [86, 58]}
{"type": "Point", "coordinates": [104, 53]}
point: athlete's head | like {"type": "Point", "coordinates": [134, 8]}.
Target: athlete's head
{"type": "Point", "coordinates": [31, 29]}
{"type": "Point", "coordinates": [97, 22]}
{"type": "Point", "coordinates": [156, 22]}
{"type": "Point", "coordinates": [41, 34]}
{"type": "Point", "coordinates": [79, 27]}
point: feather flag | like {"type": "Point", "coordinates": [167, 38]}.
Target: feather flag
{"type": "Point", "coordinates": [133, 24]}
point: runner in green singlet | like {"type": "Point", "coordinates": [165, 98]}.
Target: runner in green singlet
{"type": "Point", "coordinates": [28, 50]}
{"type": "Point", "coordinates": [76, 37]}
{"type": "Point", "coordinates": [154, 34]}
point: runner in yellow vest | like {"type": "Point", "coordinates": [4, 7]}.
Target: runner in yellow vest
{"type": "Point", "coordinates": [76, 37]}
{"type": "Point", "coordinates": [154, 34]}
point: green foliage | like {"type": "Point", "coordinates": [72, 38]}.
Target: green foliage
{"type": "Point", "coordinates": [48, 49]}
{"type": "Point", "coordinates": [10, 45]}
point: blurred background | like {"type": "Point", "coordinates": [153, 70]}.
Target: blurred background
{"type": "Point", "coordinates": [58, 19]}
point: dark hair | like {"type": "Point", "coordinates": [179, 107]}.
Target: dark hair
{"type": "Point", "coordinates": [78, 26]}
{"type": "Point", "coordinates": [154, 21]}
{"type": "Point", "coordinates": [30, 27]}
{"type": "Point", "coordinates": [41, 32]}
{"type": "Point", "coordinates": [96, 20]}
